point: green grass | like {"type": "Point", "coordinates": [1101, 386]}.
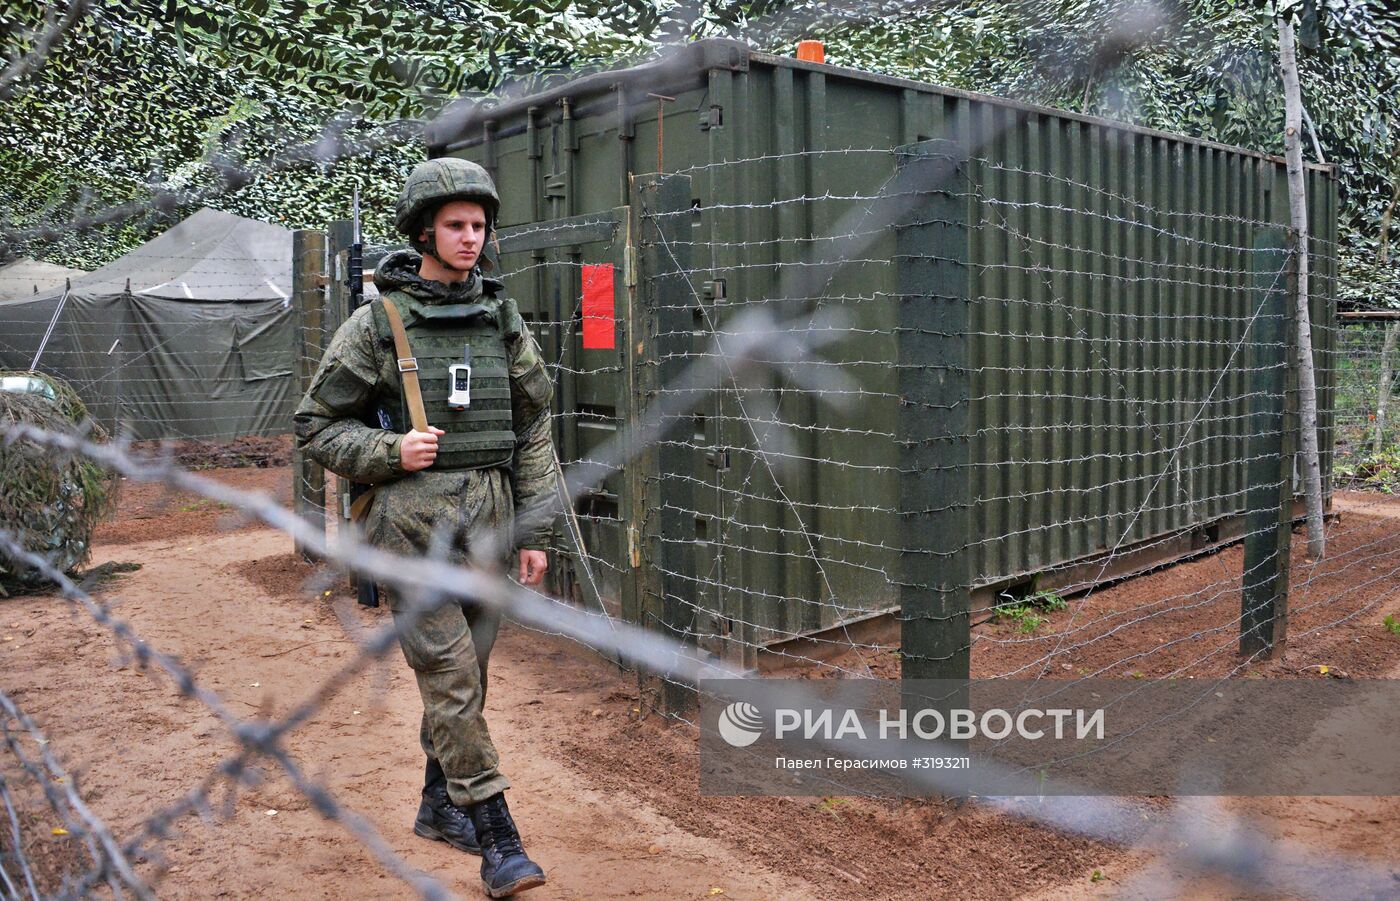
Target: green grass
{"type": "Point", "coordinates": [1028, 614]}
{"type": "Point", "coordinates": [204, 504]}
{"type": "Point", "coordinates": [1358, 468]}
{"type": "Point", "coordinates": [1356, 378]}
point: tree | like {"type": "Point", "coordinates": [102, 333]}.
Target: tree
{"type": "Point", "coordinates": [1392, 329]}
{"type": "Point", "coordinates": [1298, 211]}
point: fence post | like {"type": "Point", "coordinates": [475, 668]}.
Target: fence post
{"type": "Point", "coordinates": [341, 233]}
{"type": "Point", "coordinates": [308, 303]}
{"type": "Point", "coordinates": [1269, 496]}
{"type": "Point", "coordinates": [667, 301]}
{"type": "Point", "coordinates": [930, 209]}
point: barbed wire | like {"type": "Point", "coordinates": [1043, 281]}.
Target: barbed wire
{"type": "Point", "coordinates": [1088, 817]}
{"type": "Point", "coordinates": [111, 864]}
{"type": "Point", "coordinates": [763, 368]}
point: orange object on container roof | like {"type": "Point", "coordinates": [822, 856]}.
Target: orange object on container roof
{"type": "Point", "coordinates": [811, 51]}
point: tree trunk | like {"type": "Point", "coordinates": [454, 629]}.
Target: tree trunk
{"type": "Point", "coordinates": [1392, 329]}
{"type": "Point", "coordinates": [1392, 333]}
{"type": "Point", "coordinates": [1298, 209]}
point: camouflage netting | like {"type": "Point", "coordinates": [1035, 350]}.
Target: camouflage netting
{"type": "Point", "coordinates": [49, 501]}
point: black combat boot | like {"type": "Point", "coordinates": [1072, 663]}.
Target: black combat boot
{"type": "Point", "coordinates": [439, 818]}
{"type": "Point", "coordinates": [505, 869]}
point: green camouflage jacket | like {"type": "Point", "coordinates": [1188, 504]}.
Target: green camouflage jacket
{"type": "Point", "coordinates": [337, 425]}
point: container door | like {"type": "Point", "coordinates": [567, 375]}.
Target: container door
{"type": "Point", "coordinates": [567, 277]}
{"type": "Point", "coordinates": [675, 374]}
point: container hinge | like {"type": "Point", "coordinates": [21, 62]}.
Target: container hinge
{"type": "Point", "coordinates": [712, 118]}
{"type": "Point", "coordinates": [533, 148]}
{"type": "Point", "coordinates": [556, 186]}
{"type": "Point", "coordinates": [714, 291]}
{"type": "Point", "coordinates": [719, 459]}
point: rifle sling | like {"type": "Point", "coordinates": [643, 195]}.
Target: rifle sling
{"type": "Point", "coordinates": [413, 394]}
{"type": "Point", "coordinates": [408, 368]}
{"type": "Point", "coordinates": [360, 508]}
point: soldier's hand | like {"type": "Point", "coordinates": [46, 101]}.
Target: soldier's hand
{"type": "Point", "coordinates": [532, 567]}
{"type": "Point", "coordinates": [418, 449]}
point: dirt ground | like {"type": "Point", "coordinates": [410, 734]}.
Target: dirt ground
{"type": "Point", "coordinates": [606, 797]}
{"type": "Point", "coordinates": [1184, 620]}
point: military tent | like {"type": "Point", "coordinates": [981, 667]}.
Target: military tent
{"type": "Point", "coordinates": [23, 279]}
{"type": "Point", "coordinates": [188, 336]}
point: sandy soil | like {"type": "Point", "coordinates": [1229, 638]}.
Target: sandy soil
{"type": "Point", "coordinates": [606, 797]}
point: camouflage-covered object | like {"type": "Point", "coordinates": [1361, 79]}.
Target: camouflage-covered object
{"type": "Point", "coordinates": [50, 501]}
{"type": "Point", "coordinates": [346, 423]}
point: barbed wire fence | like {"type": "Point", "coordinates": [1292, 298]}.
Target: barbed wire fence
{"type": "Point", "coordinates": [767, 440]}
{"type": "Point", "coordinates": [1200, 442]}
{"type": "Point", "coordinates": [433, 578]}
{"type": "Point", "coordinates": [1024, 429]}
{"type": "Point", "coordinates": [641, 647]}
{"type": "Point", "coordinates": [796, 491]}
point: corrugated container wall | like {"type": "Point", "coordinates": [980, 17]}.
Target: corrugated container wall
{"type": "Point", "coordinates": [1102, 255]}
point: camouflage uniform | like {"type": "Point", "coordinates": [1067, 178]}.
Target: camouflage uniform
{"type": "Point", "coordinates": [460, 514]}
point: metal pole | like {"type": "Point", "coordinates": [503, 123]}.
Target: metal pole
{"type": "Point", "coordinates": [934, 435]}
{"type": "Point", "coordinates": [667, 300]}
{"type": "Point", "coordinates": [48, 332]}
{"type": "Point", "coordinates": [1269, 498]}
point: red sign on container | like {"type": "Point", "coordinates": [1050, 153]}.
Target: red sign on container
{"type": "Point", "coordinates": [599, 331]}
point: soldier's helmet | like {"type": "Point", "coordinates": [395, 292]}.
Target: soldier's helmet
{"type": "Point", "coordinates": [435, 182]}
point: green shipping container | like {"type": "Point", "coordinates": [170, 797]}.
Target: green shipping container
{"type": "Point", "coordinates": [1110, 287]}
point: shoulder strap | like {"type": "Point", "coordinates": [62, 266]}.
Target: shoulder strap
{"type": "Point", "coordinates": [359, 510]}
{"type": "Point", "coordinates": [508, 318]}
{"type": "Point", "coordinates": [408, 368]}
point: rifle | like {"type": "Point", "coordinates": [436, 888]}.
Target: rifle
{"type": "Point", "coordinates": [365, 590]}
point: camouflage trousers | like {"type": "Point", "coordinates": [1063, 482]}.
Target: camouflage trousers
{"type": "Point", "coordinates": [448, 649]}
{"type": "Point", "coordinates": [448, 646]}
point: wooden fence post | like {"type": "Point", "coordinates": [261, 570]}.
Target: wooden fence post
{"type": "Point", "coordinates": [341, 235]}
{"type": "Point", "coordinates": [930, 206]}
{"type": "Point", "coordinates": [308, 313]}
{"type": "Point", "coordinates": [1269, 496]}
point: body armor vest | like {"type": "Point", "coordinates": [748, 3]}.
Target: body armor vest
{"type": "Point", "coordinates": [482, 436]}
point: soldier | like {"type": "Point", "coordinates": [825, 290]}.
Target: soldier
{"type": "Point", "coordinates": [453, 487]}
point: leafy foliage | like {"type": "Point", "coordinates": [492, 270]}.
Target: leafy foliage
{"type": "Point", "coordinates": [1207, 68]}
{"type": "Point", "coordinates": [1357, 375]}
{"type": "Point", "coordinates": [1369, 471]}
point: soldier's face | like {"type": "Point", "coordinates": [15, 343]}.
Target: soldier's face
{"type": "Point", "coordinates": [460, 229]}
